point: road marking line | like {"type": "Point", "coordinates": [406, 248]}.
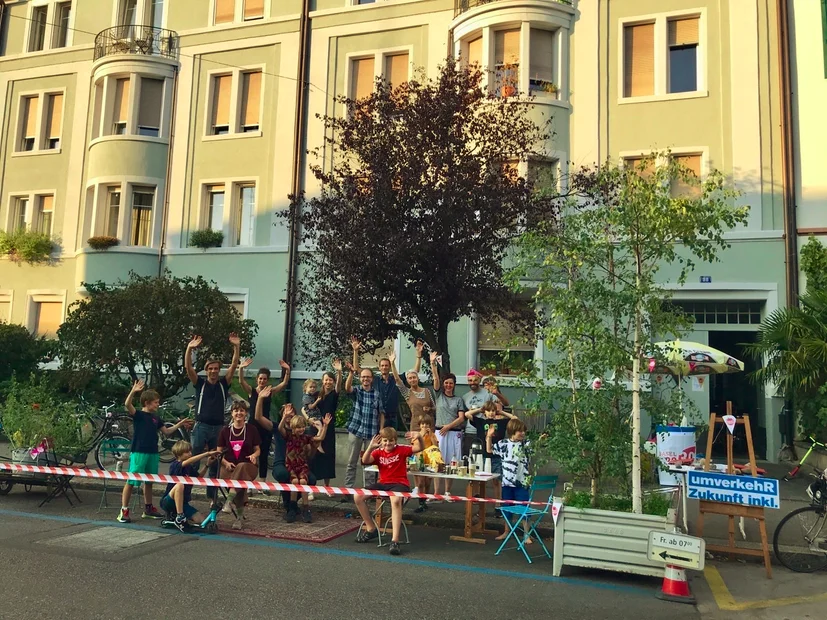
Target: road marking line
{"type": "Point", "coordinates": [259, 542]}
{"type": "Point", "coordinates": [726, 602]}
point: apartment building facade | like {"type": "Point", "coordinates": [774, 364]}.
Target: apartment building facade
{"type": "Point", "coordinates": [148, 120]}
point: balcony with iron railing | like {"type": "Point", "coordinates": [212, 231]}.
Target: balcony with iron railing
{"type": "Point", "coordinates": [460, 6]}
{"type": "Point", "coordinates": [136, 40]}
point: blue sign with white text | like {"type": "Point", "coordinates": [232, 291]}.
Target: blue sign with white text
{"type": "Point", "coordinates": [729, 489]}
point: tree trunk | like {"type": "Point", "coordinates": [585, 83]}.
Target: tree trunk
{"type": "Point", "coordinates": [442, 348]}
{"type": "Point", "coordinates": [637, 493]}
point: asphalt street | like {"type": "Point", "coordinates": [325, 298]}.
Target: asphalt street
{"type": "Point", "coordinates": [63, 562]}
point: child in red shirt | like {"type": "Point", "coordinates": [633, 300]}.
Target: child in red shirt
{"type": "Point", "coordinates": [392, 460]}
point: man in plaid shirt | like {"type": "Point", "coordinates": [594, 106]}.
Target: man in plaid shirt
{"type": "Point", "coordinates": [366, 418]}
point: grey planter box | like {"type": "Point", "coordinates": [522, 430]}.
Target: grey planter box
{"type": "Point", "coordinates": [615, 541]}
{"type": "Point", "coordinates": [24, 457]}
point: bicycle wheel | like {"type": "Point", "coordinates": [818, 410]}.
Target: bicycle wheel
{"type": "Point", "coordinates": [5, 487]}
{"type": "Point", "coordinates": [165, 443]}
{"type": "Point", "coordinates": [112, 453]}
{"type": "Point", "coordinates": [800, 540]}
{"type": "Point", "coordinates": [122, 425]}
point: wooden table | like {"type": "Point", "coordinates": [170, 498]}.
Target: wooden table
{"type": "Point", "coordinates": [474, 486]}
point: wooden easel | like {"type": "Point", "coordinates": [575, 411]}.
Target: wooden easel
{"type": "Point", "coordinates": [734, 510]}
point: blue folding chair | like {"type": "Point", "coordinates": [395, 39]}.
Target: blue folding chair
{"type": "Point", "coordinates": [527, 518]}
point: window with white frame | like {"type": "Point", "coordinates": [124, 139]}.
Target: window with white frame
{"type": "Point", "coordinates": [46, 315]}
{"type": "Point", "coordinates": [140, 231]}
{"type": "Point", "coordinates": [33, 212]}
{"type": "Point", "coordinates": [49, 25]}
{"type": "Point", "coordinates": [235, 101]}
{"type": "Point", "coordinates": [498, 52]}
{"type": "Point", "coordinates": [661, 55]}
{"type": "Point", "coordinates": [5, 307]}
{"type": "Point", "coordinates": [232, 11]}
{"type": "Point", "coordinates": [238, 299]}
{"type": "Point", "coordinates": [140, 12]}
{"type": "Point", "coordinates": [504, 349]}
{"type": "Point", "coordinates": [231, 208]}
{"type": "Point", "coordinates": [40, 122]}
{"type": "Point", "coordinates": [394, 66]}
{"type": "Point", "coordinates": [679, 188]}
{"type": "Point", "coordinates": [113, 211]}
{"type": "Point", "coordinates": [132, 105]}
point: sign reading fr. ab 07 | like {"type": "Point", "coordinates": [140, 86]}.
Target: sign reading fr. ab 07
{"type": "Point", "coordinates": [729, 489]}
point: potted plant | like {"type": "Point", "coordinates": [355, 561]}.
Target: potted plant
{"type": "Point", "coordinates": [206, 238]}
{"type": "Point", "coordinates": [543, 86]}
{"type": "Point", "coordinates": [26, 246]}
{"type": "Point", "coordinates": [603, 305]}
{"type": "Point", "coordinates": [102, 243]}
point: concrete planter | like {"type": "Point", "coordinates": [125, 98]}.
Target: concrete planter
{"type": "Point", "coordinates": [607, 540]}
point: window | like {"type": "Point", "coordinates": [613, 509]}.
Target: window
{"type": "Point", "coordinates": [363, 78]}
{"type": "Point", "coordinates": [396, 69]}
{"type": "Point", "coordinates": [29, 136]}
{"type": "Point", "coordinates": [54, 120]}
{"type": "Point", "coordinates": [371, 360]}
{"type": "Point", "coordinates": [542, 175]}
{"type": "Point", "coordinates": [5, 309]}
{"type": "Point", "coordinates": [680, 189]}
{"type": "Point", "coordinates": [541, 63]}
{"type": "Point", "coordinates": [20, 211]}
{"type": "Point", "coordinates": [63, 11]}
{"type": "Point", "coordinates": [156, 13]}
{"type": "Point", "coordinates": [662, 57]}
{"type": "Point", "coordinates": [506, 61]}
{"type": "Point", "coordinates": [47, 319]}
{"type": "Point", "coordinates": [475, 52]}
{"type": "Point", "coordinates": [43, 220]}
{"type": "Point", "coordinates": [149, 113]}
{"type": "Point", "coordinates": [720, 312]}
{"type": "Point", "coordinates": [253, 9]}
{"type": "Point", "coordinates": [635, 163]}
{"type": "Point", "coordinates": [238, 306]}
{"type": "Point", "coordinates": [113, 212]}
{"type": "Point", "coordinates": [120, 110]}
{"type": "Point", "coordinates": [250, 100]}
{"type": "Point", "coordinates": [140, 231]}
{"type": "Point", "coordinates": [37, 39]}
{"type": "Point", "coordinates": [224, 11]}
{"type": "Point", "coordinates": [244, 215]}
{"type": "Point", "coordinates": [221, 104]}
{"type": "Point", "coordinates": [215, 207]}
{"type": "Point", "coordinates": [683, 55]}
{"type": "Point", "coordinates": [503, 349]}
{"type": "Point", "coordinates": [639, 60]}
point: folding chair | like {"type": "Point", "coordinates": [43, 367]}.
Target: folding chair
{"type": "Point", "coordinates": [528, 517]}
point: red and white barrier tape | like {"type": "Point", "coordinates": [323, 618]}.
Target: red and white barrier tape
{"type": "Point", "coordinates": [246, 484]}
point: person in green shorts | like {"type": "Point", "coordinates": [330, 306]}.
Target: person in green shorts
{"type": "Point", "coordinates": [144, 457]}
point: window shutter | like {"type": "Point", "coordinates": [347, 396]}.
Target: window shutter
{"type": "Point", "coordinates": [507, 46]}
{"type": "Point", "coordinates": [224, 11]}
{"type": "Point", "coordinates": [46, 203]}
{"type": "Point", "coordinates": [639, 60]}
{"type": "Point", "coordinates": [396, 69]}
{"type": "Point", "coordinates": [55, 116]}
{"type": "Point", "coordinates": [542, 55]}
{"type": "Point", "coordinates": [221, 100]}
{"type": "Point", "coordinates": [475, 52]}
{"type": "Point", "coordinates": [30, 117]}
{"type": "Point", "coordinates": [121, 107]}
{"type": "Point", "coordinates": [152, 94]}
{"type": "Point", "coordinates": [363, 77]}
{"type": "Point", "coordinates": [49, 318]}
{"type": "Point", "coordinates": [678, 187]}
{"type": "Point", "coordinates": [251, 98]}
{"type": "Point", "coordinates": [253, 9]}
{"type": "Point", "coordinates": [683, 31]}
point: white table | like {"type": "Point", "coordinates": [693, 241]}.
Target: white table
{"type": "Point", "coordinates": [682, 471]}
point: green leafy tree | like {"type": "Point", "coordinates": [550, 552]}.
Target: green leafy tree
{"type": "Point", "coordinates": [21, 352]}
{"type": "Point", "coordinates": [598, 282]}
{"type": "Point", "coordinates": [417, 210]}
{"type": "Point", "coordinates": [141, 328]}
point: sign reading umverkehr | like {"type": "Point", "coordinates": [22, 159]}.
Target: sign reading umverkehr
{"type": "Point", "coordinates": [729, 489]}
{"type": "Point", "coordinates": [677, 549]}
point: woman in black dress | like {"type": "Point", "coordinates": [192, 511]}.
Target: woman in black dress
{"type": "Point", "coordinates": [262, 379]}
{"type": "Point", "coordinates": [323, 465]}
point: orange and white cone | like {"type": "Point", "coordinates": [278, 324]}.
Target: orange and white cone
{"type": "Point", "coordinates": [675, 586]}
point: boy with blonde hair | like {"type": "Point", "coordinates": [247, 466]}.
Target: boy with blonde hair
{"type": "Point", "coordinates": [176, 499]}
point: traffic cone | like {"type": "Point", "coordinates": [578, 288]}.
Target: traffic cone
{"type": "Point", "coordinates": [675, 586]}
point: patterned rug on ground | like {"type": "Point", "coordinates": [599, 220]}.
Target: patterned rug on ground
{"type": "Point", "coordinates": [269, 524]}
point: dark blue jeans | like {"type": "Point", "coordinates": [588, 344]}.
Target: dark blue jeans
{"type": "Point", "coordinates": [205, 437]}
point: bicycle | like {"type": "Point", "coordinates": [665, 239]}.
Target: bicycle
{"type": "Point", "coordinates": [165, 442]}
{"type": "Point", "coordinates": [801, 546]}
{"type": "Point", "coordinates": [814, 443]}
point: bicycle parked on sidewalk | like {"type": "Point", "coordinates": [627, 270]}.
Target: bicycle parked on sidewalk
{"type": "Point", "coordinates": [800, 540]}
{"type": "Point", "coordinates": [814, 443]}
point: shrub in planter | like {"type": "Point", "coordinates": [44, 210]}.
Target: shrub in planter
{"type": "Point", "coordinates": [206, 239]}
{"type": "Point", "coordinates": [26, 246]}
{"type": "Point", "coordinates": [102, 242]}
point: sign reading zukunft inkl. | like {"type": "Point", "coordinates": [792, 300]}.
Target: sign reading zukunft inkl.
{"type": "Point", "coordinates": [729, 489]}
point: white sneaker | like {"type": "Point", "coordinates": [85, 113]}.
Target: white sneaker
{"type": "Point", "coordinates": [227, 509]}
{"type": "Point", "coordinates": [237, 524]}
{"type": "Point", "coordinates": [310, 497]}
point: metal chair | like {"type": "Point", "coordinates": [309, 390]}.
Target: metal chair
{"type": "Point", "coordinates": [528, 518]}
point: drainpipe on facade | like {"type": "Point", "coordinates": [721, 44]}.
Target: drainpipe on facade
{"type": "Point", "coordinates": [165, 213]}
{"type": "Point", "coordinates": [788, 177]}
{"type": "Point", "coordinates": [296, 186]}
